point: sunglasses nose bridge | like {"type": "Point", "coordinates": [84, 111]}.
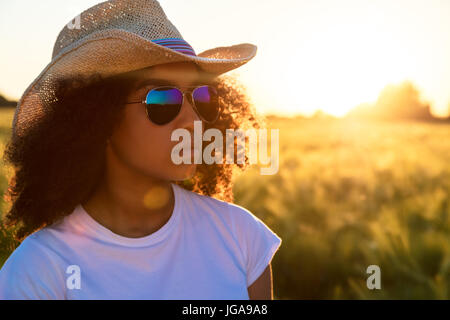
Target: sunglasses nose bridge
{"type": "Point", "coordinates": [191, 101]}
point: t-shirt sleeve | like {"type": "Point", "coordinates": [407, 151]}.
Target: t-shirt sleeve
{"type": "Point", "coordinates": [257, 241]}
{"type": "Point", "coordinates": [28, 274]}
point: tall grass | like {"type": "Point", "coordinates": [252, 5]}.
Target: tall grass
{"type": "Point", "coordinates": [349, 195]}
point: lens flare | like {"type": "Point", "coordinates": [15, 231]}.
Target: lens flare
{"type": "Point", "coordinates": [157, 197]}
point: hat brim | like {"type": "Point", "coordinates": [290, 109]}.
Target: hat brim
{"type": "Point", "coordinates": [114, 51]}
{"type": "Point", "coordinates": [121, 45]}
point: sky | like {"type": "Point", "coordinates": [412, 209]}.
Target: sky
{"type": "Point", "coordinates": [316, 54]}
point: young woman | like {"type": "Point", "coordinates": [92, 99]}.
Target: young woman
{"type": "Point", "coordinates": [104, 211]}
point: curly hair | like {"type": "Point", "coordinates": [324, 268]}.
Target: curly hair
{"type": "Point", "coordinates": [59, 162]}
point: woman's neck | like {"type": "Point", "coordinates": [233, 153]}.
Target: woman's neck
{"type": "Point", "coordinates": [130, 213]}
{"type": "Point", "coordinates": [130, 203]}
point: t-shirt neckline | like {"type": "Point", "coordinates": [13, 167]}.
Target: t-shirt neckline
{"type": "Point", "coordinates": [101, 232]}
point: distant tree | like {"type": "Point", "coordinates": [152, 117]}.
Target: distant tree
{"type": "Point", "coordinates": [6, 103]}
{"type": "Point", "coordinates": [401, 101]}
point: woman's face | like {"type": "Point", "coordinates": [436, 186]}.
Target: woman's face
{"type": "Point", "coordinates": [145, 147]}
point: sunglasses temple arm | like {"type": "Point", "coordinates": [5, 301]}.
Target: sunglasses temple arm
{"type": "Point", "coordinates": [133, 102]}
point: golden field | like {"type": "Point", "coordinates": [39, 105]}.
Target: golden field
{"type": "Point", "coordinates": [348, 195]}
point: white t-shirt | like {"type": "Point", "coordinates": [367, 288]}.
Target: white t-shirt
{"type": "Point", "coordinates": [208, 249]}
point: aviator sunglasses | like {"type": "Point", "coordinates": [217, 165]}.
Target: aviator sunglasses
{"type": "Point", "coordinates": [163, 103]}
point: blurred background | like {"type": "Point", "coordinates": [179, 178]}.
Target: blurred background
{"type": "Point", "coordinates": [360, 93]}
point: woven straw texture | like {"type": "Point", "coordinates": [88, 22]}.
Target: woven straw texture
{"type": "Point", "coordinates": [115, 37]}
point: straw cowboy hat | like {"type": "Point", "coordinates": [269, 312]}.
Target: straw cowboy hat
{"type": "Point", "coordinates": [115, 37]}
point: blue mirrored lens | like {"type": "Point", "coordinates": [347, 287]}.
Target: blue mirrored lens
{"type": "Point", "coordinates": [163, 104]}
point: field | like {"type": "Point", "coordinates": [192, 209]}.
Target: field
{"type": "Point", "coordinates": [348, 195]}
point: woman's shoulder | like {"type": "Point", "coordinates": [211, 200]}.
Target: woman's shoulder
{"type": "Point", "coordinates": [28, 248]}
{"type": "Point", "coordinates": [36, 247]}
{"type": "Point", "coordinates": [31, 262]}
{"type": "Point", "coordinates": [237, 217]}
{"type": "Point", "coordinates": [257, 242]}
{"type": "Point", "coordinates": [210, 205]}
